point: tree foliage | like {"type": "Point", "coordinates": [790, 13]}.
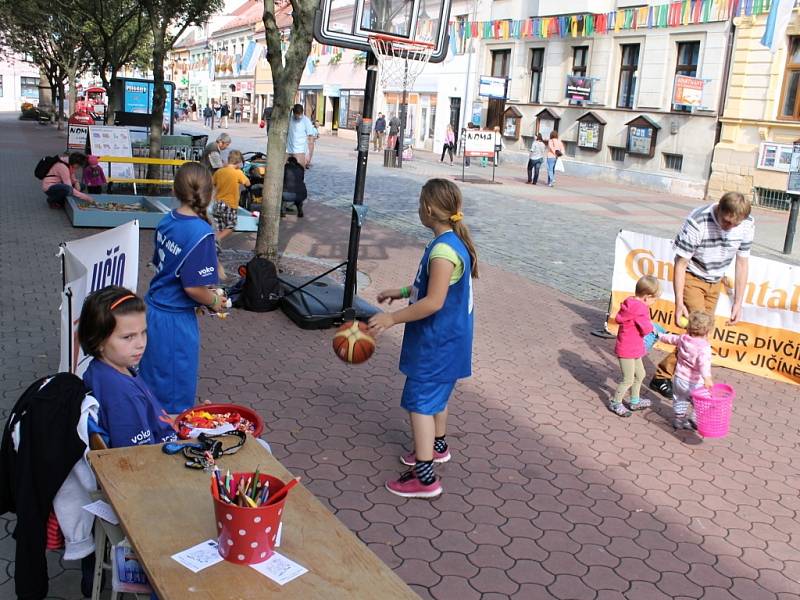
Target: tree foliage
{"type": "Point", "coordinates": [168, 20]}
{"type": "Point", "coordinates": [287, 67]}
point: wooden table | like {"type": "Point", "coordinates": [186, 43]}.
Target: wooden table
{"type": "Point", "coordinates": [165, 508]}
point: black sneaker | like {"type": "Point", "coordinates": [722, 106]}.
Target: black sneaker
{"type": "Point", "coordinates": [662, 386]}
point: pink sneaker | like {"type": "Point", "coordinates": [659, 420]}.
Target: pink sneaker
{"type": "Point", "coordinates": [410, 459]}
{"type": "Point", "coordinates": [408, 486]}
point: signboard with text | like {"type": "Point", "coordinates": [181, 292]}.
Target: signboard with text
{"type": "Point", "coordinates": [77, 136]}
{"type": "Point", "coordinates": [688, 91]}
{"type": "Point", "coordinates": [579, 88]}
{"type": "Point", "coordinates": [480, 142]}
{"type": "Point", "coordinates": [493, 87]}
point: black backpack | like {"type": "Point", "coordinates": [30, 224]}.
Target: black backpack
{"type": "Point", "coordinates": [261, 290]}
{"type": "Point", "coordinates": [44, 165]}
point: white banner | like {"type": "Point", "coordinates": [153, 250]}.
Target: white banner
{"type": "Point", "coordinates": [766, 340]}
{"type": "Point", "coordinates": [92, 263]}
{"type": "Point", "coordinates": [480, 142]}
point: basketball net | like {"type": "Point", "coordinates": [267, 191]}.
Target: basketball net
{"type": "Point", "coordinates": [401, 60]}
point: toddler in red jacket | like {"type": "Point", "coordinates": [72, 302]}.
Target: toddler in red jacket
{"type": "Point", "coordinates": [634, 324]}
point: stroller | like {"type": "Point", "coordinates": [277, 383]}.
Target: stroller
{"type": "Point", "coordinates": [255, 168]}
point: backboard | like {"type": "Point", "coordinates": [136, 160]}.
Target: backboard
{"type": "Point", "coordinates": [349, 23]}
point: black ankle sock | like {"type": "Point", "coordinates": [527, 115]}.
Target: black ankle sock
{"type": "Point", "coordinates": [424, 472]}
{"type": "Point", "coordinates": [439, 444]}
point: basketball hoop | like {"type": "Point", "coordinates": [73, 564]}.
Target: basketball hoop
{"type": "Point", "coordinates": [401, 60]}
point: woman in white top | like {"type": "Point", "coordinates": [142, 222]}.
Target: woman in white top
{"type": "Point", "coordinates": [449, 143]}
{"type": "Point", "coordinates": [536, 158]}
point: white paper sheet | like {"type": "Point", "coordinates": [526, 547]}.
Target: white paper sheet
{"type": "Point", "coordinates": [280, 569]}
{"type": "Point", "coordinates": [200, 556]}
{"type": "Point", "coordinates": [103, 510]}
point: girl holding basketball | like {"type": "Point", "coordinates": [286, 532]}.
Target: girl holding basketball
{"type": "Point", "coordinates": [437, 343]}
{"type": "Point", "coordinates": [113, 330]}
{"type": "Point", "coordinates": [185, 260]}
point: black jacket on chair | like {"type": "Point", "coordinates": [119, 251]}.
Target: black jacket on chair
{"type": "Point", "coordinates": [48, 414]}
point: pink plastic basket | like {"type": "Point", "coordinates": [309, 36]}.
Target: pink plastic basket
{"type": "Point", "coordinates": [712, 409]}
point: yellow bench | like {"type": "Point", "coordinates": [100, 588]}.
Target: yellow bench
{"type": "Point", "coordinates": [142, 160]}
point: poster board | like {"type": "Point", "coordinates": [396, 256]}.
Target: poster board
{"type": "Point", "coordinates": [793, 186]}
{"type": "Point", "coordinates": [480, 142]}
{"type": "Point", "coordinates": [105, 140]}
{"type": "Point", "coordinates": [589, 133]}
{"type": "Point", "coordinates": [77, 136]}
{"type": "Point", "coordinates": [493, 87]}
{"type": "Point", "coordinates": [773, 156]}
{"type": "Point", "coordinates": [688, 91]}
{"type": "Point", "coordinates": [107, 258]}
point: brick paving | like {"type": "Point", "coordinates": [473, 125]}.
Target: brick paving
{"type": "Point", "coordinates": [548, 494]}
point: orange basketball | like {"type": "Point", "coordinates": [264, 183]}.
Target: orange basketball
{"type": "Point", "coordinates": [352, 343]}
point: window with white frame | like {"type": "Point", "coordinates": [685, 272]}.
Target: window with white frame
{"type": "Point", "coordinates": [628, 68]}
{"type": "Point", "coordinates": [537, 66]}
{"type": "Point", "coordinates": [688, 59]}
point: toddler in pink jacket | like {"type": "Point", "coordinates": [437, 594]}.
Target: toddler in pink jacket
{"type": "Point", "coordinates": [693, 369]}
{"type": "Point", "coordinates": [634, 324]}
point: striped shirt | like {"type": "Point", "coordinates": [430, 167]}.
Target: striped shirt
{"type": "Point", "coordinates": [709, 248]}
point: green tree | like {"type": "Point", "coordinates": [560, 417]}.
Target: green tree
{"type": "Point", "coordinates": [287, 69]}
{"type": "Point", "coordinates": [115, 34]}
{"type": "Point", "coordinates": [52, 39]}
{"type": "Point", "coordinates": [168, 20]}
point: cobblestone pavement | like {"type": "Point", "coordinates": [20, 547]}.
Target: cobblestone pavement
{"type": "Point", "coordinates": [548, 494]}
{"type": "Point", "coordinates": [544, 234]}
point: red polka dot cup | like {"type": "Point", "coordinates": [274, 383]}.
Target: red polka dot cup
{"type": "Point", "coordinates": [247, 535]}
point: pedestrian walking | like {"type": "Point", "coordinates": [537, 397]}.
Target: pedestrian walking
{"type": "Point", "coordinates": [634, 322]}
{"type": "Point", "coordinates": [711, 237]}
{"type": "Point", "coordinates": [185, 261]}
{"type": "Point", "coordinates": [394, 131]}
{"type": "Point", "coordinates": [449, 145]}
{"type": "Point", "coordinates": [208, 117]}
{"type": "Point", "coordinates": [555, 150]}
{"type": "Point", "coordinates": [300, 139]}
{"type": "Point", "coordinates": [437, 341]}
{"type": "Point", "coordinates": [194, 110]}
{"type": "Point", "coordinates": [266, 117]}
{"type": "Point", "coordinates": [224, 112]}
{"type": "Point", "coordinates": [380, 132]}
{"type": "Point", "coordinates": [237, 112]}
{"type": "Point", "coordinates": [536, 158]}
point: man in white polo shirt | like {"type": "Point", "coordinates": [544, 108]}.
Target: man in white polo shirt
{"type": "Point", "coordinates": [301, 135]}
{"type": "Point", "coordinates": [711, 237]}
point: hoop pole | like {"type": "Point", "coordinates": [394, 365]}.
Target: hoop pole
{"type": "Point", "coordinates": [403, 115]}
{"type": "Point", "coordinates": [358, 191]}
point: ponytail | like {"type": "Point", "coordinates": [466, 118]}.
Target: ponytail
{"type": "Point", "coordinates": [443, 197]}
{"type": "Point", "coordinates": [462, 231]}
{"type": "Point", "coordinates": [194, 187]}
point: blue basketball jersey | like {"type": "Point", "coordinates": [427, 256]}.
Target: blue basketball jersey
{"type": "Point", "coordinates": [185, 256]}
{"type": "Point", "coordinates": [439, 347]}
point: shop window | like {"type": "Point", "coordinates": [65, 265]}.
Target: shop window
{"type": "Point", "coordinates": [790, 98]}
{"type": "Point", "coordinates": [537, 63]}
{"type": "Point", "coordinates": [617, 153]}
{"type": "Point", "coordinates": [29, 87]}
{"type": "Point", "coordinates": [627, 75]}
{"type": "Point", "coordinates": [501, 63]}
{"type": "Point", "coordinates": [688, 58]}
{"type": "Point", "coordinates": [673, 162]}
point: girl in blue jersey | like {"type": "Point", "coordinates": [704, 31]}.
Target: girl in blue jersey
{"type": "Point", "coordinates": [437, 343]}
{"type": "Point", "coordinates": [113, 329]}
{"type": "Point", "coordinates": [185, 260]}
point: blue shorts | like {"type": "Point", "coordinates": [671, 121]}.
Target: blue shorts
{"type": "Point", "coordinates": [171, 360]}
{"type": "Point", "coordinates": [426, 397]}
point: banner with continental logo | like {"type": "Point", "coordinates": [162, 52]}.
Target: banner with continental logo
{"type": "Point", "coordinates": [765, 342]}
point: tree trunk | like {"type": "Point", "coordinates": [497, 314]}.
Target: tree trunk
{"type": "Point", "coordinates": [270, 219]}
{"type": "Point", "coordinates": [72, 80]}
{"type": "Point", "coordinates": [59, 118]}
{"type": "Point", "coordinates": [159, 98]}
{"type": "Point", "coordinates": [111, 96]}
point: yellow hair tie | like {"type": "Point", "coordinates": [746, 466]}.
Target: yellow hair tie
{"type": "Point", "coordinates": [457, 217]}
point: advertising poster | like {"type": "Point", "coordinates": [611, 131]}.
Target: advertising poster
{"type": "Point", "coordinates": [579, 88]}
{"type": "Point", "coordinates": [765, 342]}
{"type": "Point", "coordinates": [688, 91]}
{"type": "Point", "coordinates": [588, 134]}
{"type": "Point", "coordinates": [639, 140]}
{"type": "Point", "coordinates": [92, 263]}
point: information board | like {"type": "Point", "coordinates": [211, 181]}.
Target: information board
{"type": "Point", "coordinates": [112, 141]}
{"type": "Point", "coordinates": [793, 187]}
{"type": "Point", "coordinates": [77, 136]}
{"type": "Point", "coordinates": [639, 140]}
{"type": "Point", "coordinates": [493, 87]}
{"type": "Point", "coordinates": [480, 142]}
{"type": "Point", "coordinates": [588, 134]}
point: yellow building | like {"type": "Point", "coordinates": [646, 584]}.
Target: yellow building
{"type": "Point", "coordinates": [761, 118]}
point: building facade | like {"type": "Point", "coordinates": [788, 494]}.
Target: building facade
{"type": "Point", "coordinates": [19, 83]}
{"type": "Point", "coordinates": [761, 120]}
